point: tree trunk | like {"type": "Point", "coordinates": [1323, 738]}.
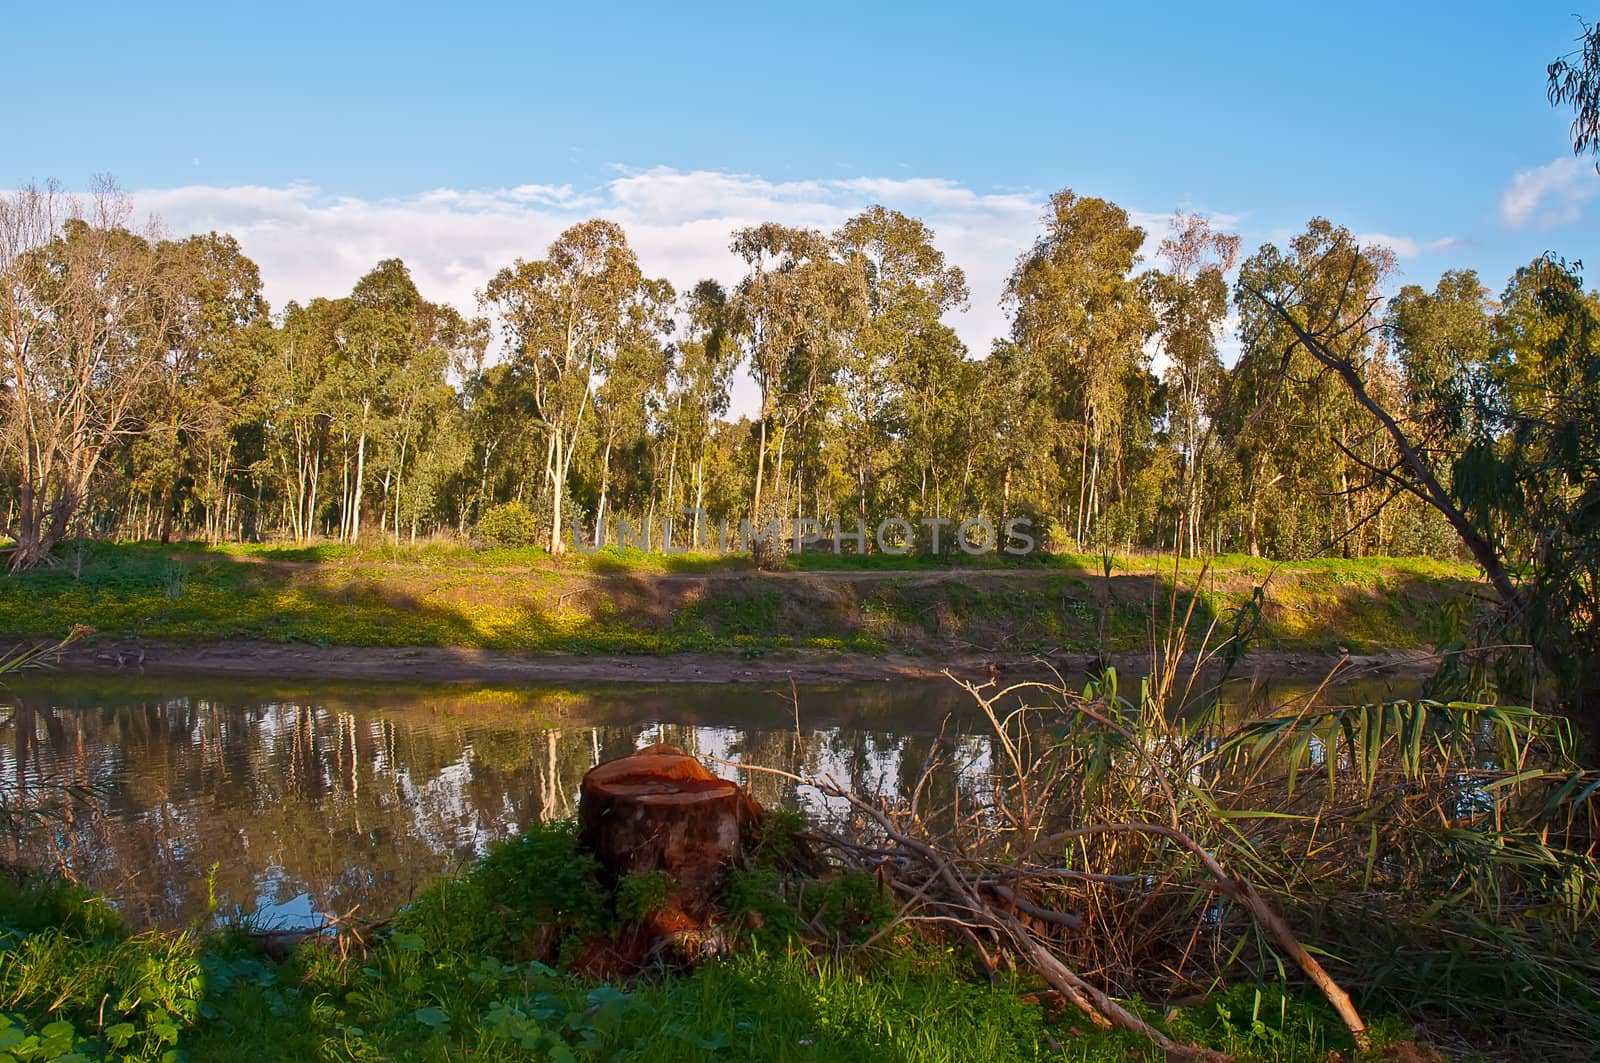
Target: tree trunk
{"type": "Point", "coordinates": [662, 810]}
{"type": "Point", "coordinates": [1083, 485]}
{"type": "Point", "coordinates": [399, 478]}
{"type": "Point", "coordinates": [558, 477]}
{"type": "Point", "coordinates": [605, 485]}
{"type": "Point", "coordinates": [166, 515]}
{"type": "Point", "coordinates": [361, 472]}
{"type": "Point", "coordinates": [699, 495]}
{"type": "Point", "coordinates": [761, 467]}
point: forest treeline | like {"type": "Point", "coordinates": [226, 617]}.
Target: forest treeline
{"type": "Point", "coordinates": [151, 392]}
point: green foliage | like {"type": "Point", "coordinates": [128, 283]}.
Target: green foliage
{"type": "Point", "coordinates": [777, 842]}
{"type": "Point", "coordinates": [509, 524]}
{"type": "Point", "coordinates": [642, 894]}
{"type": "Point", "coordinates": [33, 903]}
{"type": "Point", "coordinates": [439, 986]}
{"type": "Point", "coordinates": [757, 895]}
{"type": "Point", "coordinates": [1574, 79]}
{"type": "Point", "coordinates": [852, 905]}
{"type": "Point", "coordinates": [538, 879]}
{"type": "Point", "coordinates": [72, 981]}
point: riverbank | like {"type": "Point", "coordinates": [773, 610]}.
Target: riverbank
{"type": "Point", "coordinates": [455, 613]}
{"type": "Point", "coordinates": [460, 664]}
{"type": "Point", "coordinates": [472, 969]}
{"type": "Point", "coordinates": [1480, 936]}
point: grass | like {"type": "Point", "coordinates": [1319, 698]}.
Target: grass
{"type": "Point", "coordinates": [456, 976]}
{"type": "Point", "coordinates": [625, 601]}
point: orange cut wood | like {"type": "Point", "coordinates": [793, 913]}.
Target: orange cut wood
{"type": "Point", "coordinates": [662, 810]}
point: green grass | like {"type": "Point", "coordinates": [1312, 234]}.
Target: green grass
{"type": "Point", "coordinates": [611, 559]}
{"type": "Point", "coordinates": [622, 601]}
{"type": "Point", "coordinates": [454, 977]}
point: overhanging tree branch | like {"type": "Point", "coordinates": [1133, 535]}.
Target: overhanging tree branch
{"type": "Point", "coordinates": [1426, 485]}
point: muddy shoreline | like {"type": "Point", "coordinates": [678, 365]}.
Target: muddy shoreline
{"type": "Point", "coordinates": [292, 661]}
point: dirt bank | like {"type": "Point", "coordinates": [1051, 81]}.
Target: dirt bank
{"type": "Point", "coordinates": [247, 657]}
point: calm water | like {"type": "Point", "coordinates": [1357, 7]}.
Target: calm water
{"type": "Point", "coordinates": [286, 803]}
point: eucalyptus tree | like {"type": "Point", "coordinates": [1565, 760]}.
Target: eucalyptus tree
{"type": "Point", "coordinates": [1527, 459]}
{"type": "Point", "coordinates": [81, 350]}
{"type": "Point", "coordinates": [1190, 296]}
{"type": "Point", "coordinates": [215, 318]}
{"type": "Point", "coordinates": [706, 356]}
{"type": "Point", "coordinates": [795, 309]}
{"type": "Point", "coordinates": [503, 435]}
{"type": "Point", "coordinates": [633, 387]}
{"type": "Point", "coordinates": [1077, 305]}
{"type": "Point", "coordinates": [935, 386]}
{"type": "Point", "coordinates": [420, 401]}
{"type": "Point", "coordinates": [1544, 478]}
{"type": "Point", "coordinates": [908, 287]}
{"type": "Point", "coordinates": [564, 319]}
{"type": "Point", "coordinates": [1451, 396]}
{"type": "Point", "coordinates": [1444, 343]}
{"type": "Point", "coordinates": [377, 339]}
{"type": "Point", "coordinates": [436, 474]}
{"type": "Point", "coordinates": [292, 396]}
{"type": "Point", "coordinates": [1574, 79]}
{"type": "Point", "coordinates": [1295, 430]}
{"type": "Point", "coordinates": [1017, 432]}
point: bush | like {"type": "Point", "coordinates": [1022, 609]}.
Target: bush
{"type": "Point", "coordinates": [643, 894]}
{"type": "Point", "coordinates": [75, 985]}
{"type": "Point", "coordinates": [535, 880]}
{"type": "Point", "coordinates": [509, 524]}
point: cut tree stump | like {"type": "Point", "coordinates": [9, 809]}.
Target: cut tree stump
{"type": "Point", "coordinates": [661, 810]}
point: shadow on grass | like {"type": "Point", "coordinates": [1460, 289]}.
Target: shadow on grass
{"type": "Point", "coordinates": [330, 596]}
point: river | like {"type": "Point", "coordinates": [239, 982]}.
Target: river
{"type": "Point", "coordinates": [214, 799]}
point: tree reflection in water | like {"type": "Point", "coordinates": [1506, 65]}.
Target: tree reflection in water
{"type": "Point", "coordinates": [294, 802]}
{"type": "Point", "coordinates": [297, 803]}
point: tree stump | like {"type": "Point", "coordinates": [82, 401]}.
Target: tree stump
{"type": "Point", "coordinates": [661, 810]}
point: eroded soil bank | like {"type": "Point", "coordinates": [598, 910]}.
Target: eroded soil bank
{"type": "Point", "coordinates": [256, 658]}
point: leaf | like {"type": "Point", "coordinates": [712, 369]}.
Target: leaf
{"type": "Point", "coordinates": [1514, 780]}
{"type": "Point", "coordinates": [406, 941]}
{"type": "Point", "coordinates": [432, 1016]}
{"type": "Point", "coordinates": [600, 996]}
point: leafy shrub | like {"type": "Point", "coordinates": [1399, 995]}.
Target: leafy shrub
{"type": "Point", "coordinates": [642, 894]}
{"type": "Point", "coordinates": [509, 524]}
{"type": "Point", "coordinates": [35, 903]}
{"type": "Point", "coordinates": [777, 842]}
{"type": "Point", "coordinates": [81, 985]}
{"type": "Point", "coordinates": [853, 905]}
{"type": "Point", "coordinates": [758, 892]}
{"type": "Point", "coordinates": [539, 879]}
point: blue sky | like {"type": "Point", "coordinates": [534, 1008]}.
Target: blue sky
{"type": "Point", "coordinates": [328, 135]}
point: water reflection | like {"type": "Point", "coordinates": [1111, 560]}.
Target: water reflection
{"type": "Point", "coordinates": [289, 803]}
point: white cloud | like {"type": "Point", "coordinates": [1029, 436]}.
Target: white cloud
{"type": "Point", "coordinates": [309, 243]}
{"type": "Point", "coordinates": [1548, 195]}
{"type": "Point", "coordinates": [1407, 246]}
